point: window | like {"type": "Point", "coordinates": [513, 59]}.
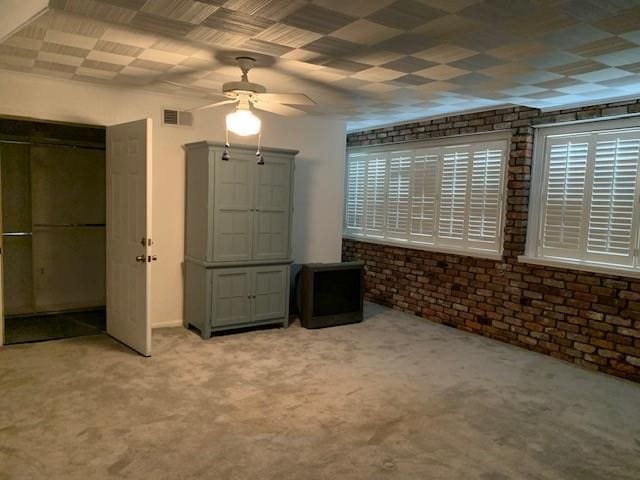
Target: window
{"type": "Point", "coordinates": [584, 201]}
{"type": "Point", "coordinates": [435, 195]}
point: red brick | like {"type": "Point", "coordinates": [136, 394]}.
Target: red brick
{"type": "Point", "coordinates": [583, 347]}
{"type": "Point", "coordinates": [609, 353]}
{"type": "Point", "coordinates": [589, 319]}
{"type": "Point", "coordinates": [630, 332]}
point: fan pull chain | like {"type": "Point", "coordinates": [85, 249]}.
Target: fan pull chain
{"type": "Point", "coordinates": [225, 154]}
{"type": "Point", "coordinates": [259, 153]}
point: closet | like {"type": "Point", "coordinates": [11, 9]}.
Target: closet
{"type": "Point", "coordinates": [53, 224]}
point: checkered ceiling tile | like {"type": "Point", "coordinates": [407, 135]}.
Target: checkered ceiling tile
{"type": "Point", "coordinates": [369, 61]}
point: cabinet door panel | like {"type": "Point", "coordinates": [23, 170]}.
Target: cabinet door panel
{"type": "Point", "coordinates": [270, 284]}
{"type": "Point", "coordinates": [271, 236]}
{"type": "Point", "coordinates": [231, 292]}
{"type": "Point", "coordinates": [232, 212]}
{"type": "Point", "coordinates": [271, 231]}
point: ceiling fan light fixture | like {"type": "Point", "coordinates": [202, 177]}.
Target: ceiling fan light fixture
{"type": "Point", "coordinates": [243, 122]}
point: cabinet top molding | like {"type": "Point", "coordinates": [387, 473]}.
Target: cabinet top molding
{"type": "Point", "coordinates": [235, 146]}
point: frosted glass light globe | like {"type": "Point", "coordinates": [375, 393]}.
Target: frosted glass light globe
{"type": "Point", "coordinates": [243, 123]}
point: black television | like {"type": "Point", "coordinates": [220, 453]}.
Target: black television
{"type": "Point", "coordinates": [330, 294]}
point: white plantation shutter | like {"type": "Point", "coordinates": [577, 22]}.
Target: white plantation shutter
{"type": "Point", "coordinates": [398, 194]}
{"type": "Point", "coordinates": [564, 202]}
{"type": "Point", "coordinates": [486, 193]}
{"type": "Point", "coordinates": [613, 197]}
{"type": "Point", "coordinates": [424, 191]}
{"type": "Point", "coordinates": [589, 207]}
{"type": "Point", "coordinates": [354, 214]}
{"type": "Point", "coordinates": [447, 197]}
{"type": "Point", "coordinates": [453, 195]}
{"type": "Point", "coordinates": [375, 194]}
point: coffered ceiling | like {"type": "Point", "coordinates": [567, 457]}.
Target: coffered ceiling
{"type": "Point", "coordinates": [369, 61]}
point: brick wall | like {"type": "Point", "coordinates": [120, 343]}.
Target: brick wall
{"type": "Point", "coordinates": [589, 319]}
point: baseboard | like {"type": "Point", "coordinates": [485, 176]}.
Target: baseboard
{"type": "Point", "coordinates": [169, 324]}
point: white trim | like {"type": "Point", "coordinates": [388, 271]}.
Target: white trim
{"type": "Point", "coordinates": [580, 266]}
{"type": "Point", "coordinates": [464, 252]}
{"type": "Point", "coordinates": [534, 242]}
{"type": "Point", "coordinates": [167, 324]}
{"type": "Point", "coordinates": [462, 246]}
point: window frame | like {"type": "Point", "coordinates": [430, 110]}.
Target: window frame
{"type": "Point", "coordinates": [533, 248]}
{"type": "Point", "coordinates": [456, 247]}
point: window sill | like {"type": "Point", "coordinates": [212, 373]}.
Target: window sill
{"type": "Point", "coordinates": [583, 267]}
{"type": "Point", "coordinates": [428, 248]}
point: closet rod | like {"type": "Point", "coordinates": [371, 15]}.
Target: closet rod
{"type": "Point", "coordinates": [17, 234]}
{"type": "Point", "coordinates": [45, 144]}
{"type": "Point", "coordinates": [69, 224]}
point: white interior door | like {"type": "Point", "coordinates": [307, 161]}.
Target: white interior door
{"type": "Point", "coordinates": [128, 234]}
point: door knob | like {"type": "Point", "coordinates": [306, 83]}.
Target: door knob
{"type": "Point", "coordinates": [140, 258]}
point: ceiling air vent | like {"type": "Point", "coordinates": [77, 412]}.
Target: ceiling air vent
{"type": "Point", "coordinates": [176, 117]}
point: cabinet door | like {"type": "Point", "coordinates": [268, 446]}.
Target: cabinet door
{"type": "Point", "coordinates": [231, 296]}
{"type": "Point", "coordinates": [233, 214]}
{"type": "Point", "coordinates": [270, 288]}
{"type": "Point", "coordinates": [271, 228]}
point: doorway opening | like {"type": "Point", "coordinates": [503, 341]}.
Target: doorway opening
{"type": "Point", "coordinates": [53, 203]}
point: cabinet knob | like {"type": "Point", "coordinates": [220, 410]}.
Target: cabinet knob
{"type": "Point", "coordinates": [140, 258]}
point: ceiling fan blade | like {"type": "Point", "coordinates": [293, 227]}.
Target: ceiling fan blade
{"type": "Point", "coordinates": [286, 98]}
{"type": "Point", "coordinates": [278, 109]}
{"type": "Point", "coordinates": [196, 88]}
{"type": "Point", "coordinates": [212, 105]}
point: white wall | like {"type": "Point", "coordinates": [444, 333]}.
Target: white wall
{"type": "Point", "coordinates": [15, 13]}
{"type": "Point", "coordinates": [319, 178]}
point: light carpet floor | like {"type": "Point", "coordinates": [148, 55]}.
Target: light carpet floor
{"type": "Point", "coordinates": [394, 397]}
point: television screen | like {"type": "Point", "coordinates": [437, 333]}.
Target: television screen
{"type": "Point", "coordinates": [336, 292]}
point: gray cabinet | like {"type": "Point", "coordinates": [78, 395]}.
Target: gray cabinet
{"type": "Point", "coordinates": [238, 237]}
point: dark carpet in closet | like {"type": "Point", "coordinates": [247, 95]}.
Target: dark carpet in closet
{"type": "Point", "coordinates": [38, 328]}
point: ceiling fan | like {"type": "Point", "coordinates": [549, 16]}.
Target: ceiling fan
{"type": "Point", "coordinates": [247, 94]}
